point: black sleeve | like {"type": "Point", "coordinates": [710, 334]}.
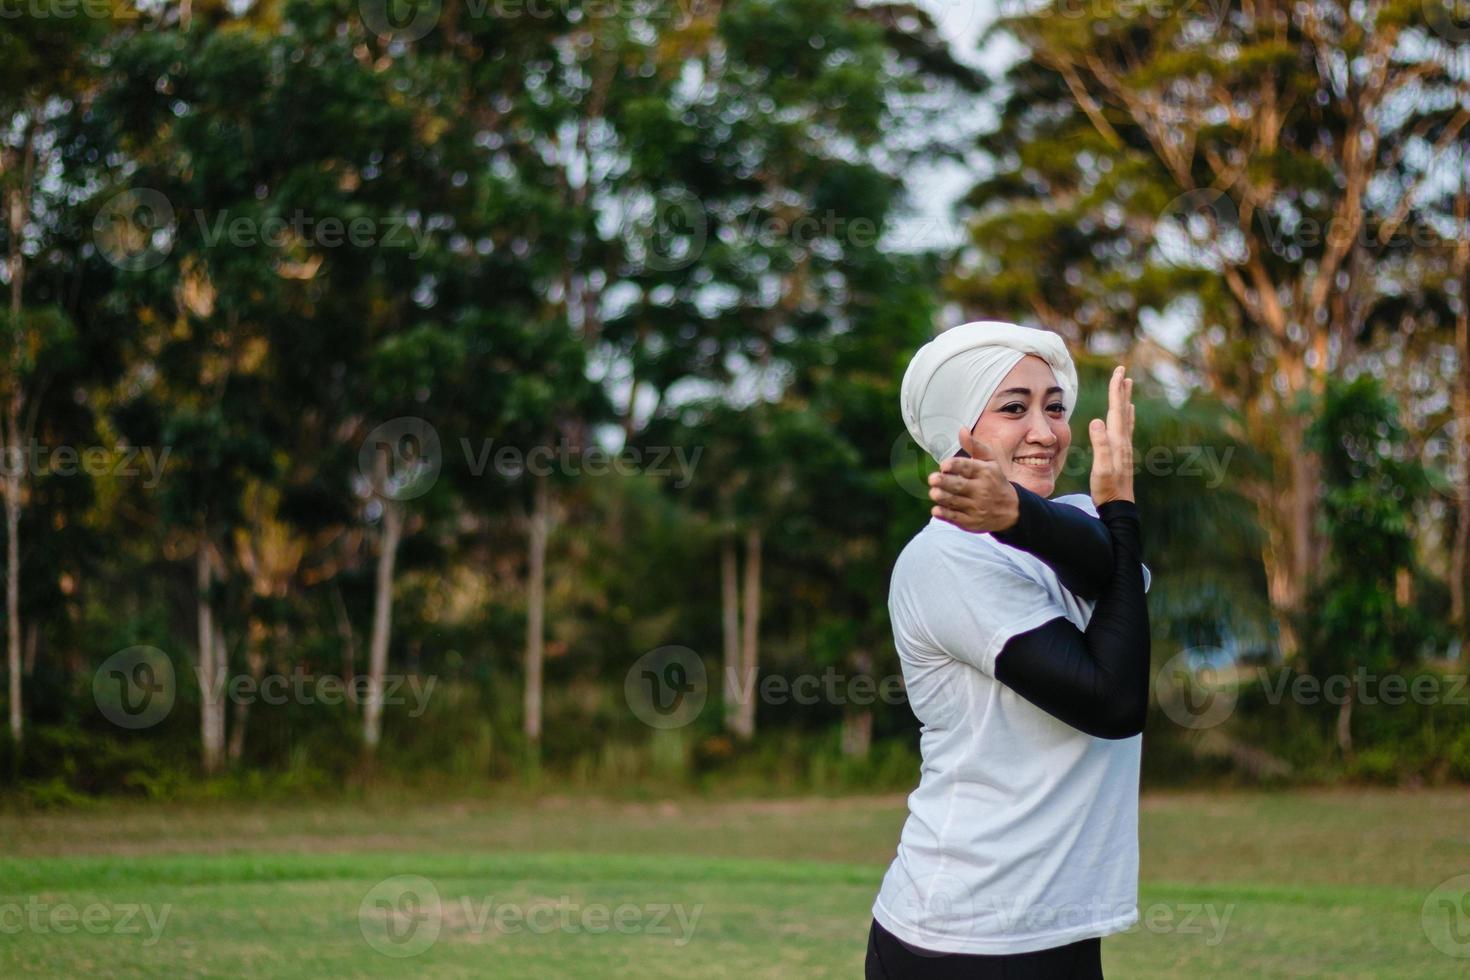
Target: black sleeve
{"type": "Point", "coordinates": [1075, 544]}
{"type": "Point", "coordinates": [1096, 681]}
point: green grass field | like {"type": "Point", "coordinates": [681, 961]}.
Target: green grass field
{"type": "Point", "coordinates": [1248, 885]}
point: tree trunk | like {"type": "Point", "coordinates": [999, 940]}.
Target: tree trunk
{"type": "Point", "coordinates": [750, 638]}
{"type": "Point", "coordinates": [730, 621]}
{"type": "Point", "coordinates": [1460, 450]}
{"type": "Point", "coordinates": [1345, 725]}
{"type": "Point", "coordinates": [1287, 508]}
{"type": "Point", "coordinates": [857, 720]}
{"type": "Point", "coordinates": [12, 588]}
{"type": "Point", "coordinates": [15, 461]}
{"type": "Point", "coordinates": [857, 732]}
{"type": "Point", "coordinates": [349, 642]}
{"type": "Point", "coordinates": [255, 661]}
{"type": "Point", "coordinates": [222, 683]}
{"type": "Point", "coordinates": [372, 709]}
{"type": "Point", "coordinates": [211, 665]}
{"type": "Point", "coordinates": [32, 642]}
{"type": "Point", "coordinates": [539, 531]}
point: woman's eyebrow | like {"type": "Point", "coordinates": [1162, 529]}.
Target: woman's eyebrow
{"type": "Point", "coordinates": [1027, 391]}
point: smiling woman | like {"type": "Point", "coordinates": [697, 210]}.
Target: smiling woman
{"type": "Point", "coordinates": [1022, 630]}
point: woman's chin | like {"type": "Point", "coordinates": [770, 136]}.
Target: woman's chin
{"type": "Point", "coordinates": [1041, 484]}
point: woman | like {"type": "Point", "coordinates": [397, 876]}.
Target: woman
{"type": "Point", "coordinates": [1022, 630]}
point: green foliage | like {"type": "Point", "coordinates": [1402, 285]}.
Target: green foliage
{"type": "Point", "coordinates": [654, 235]}
{"type": "Point", "coordinates": [1372, 484]}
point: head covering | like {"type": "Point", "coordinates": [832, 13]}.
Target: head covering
{"type": "Point", "coordinates": [953, 376]}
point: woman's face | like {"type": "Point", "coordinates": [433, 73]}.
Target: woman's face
{"type": "Point", "coordinates": [1025, 426]}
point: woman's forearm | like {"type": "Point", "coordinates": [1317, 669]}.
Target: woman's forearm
{"type": "Point", "coordinates": [1077, 546]}
{"type": "Point", "coordinates": [1094, 680]}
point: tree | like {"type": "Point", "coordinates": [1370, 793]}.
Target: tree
{"type": "Point", "coordinates": [244, 322]}
{"type": "Point", "coordinates": [852, 504]}
{"type": "Point", "coordinates": [514, 106]}
{"type": "Point", "coordinates": [1222, 165]}
{"type": "Point", "coordinates": [1361, 616]}
{"type": "Point", "coordinates": [1422, 327]}
{"type": "Point", "coordinates": [46, 63]}
{"type": "Point", "coordinates": [766, 159]}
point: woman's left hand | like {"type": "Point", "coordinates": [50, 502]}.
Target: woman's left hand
{"type": "Point", "coordinates": [973, 493]}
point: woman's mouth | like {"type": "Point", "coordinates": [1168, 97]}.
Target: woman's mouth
{"type": "Point", "coordinates": [1035, 462]}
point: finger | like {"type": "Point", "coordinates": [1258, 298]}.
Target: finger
{"type": "Point", "coordinates": [976, 448]}
{"type": "Point", "coordinates": [1101, 448]}
{"type": "Point", "coordinates": [1118, 440]}
{"type": "Point", "coordinates": [1116, 415]}
{"type": "Point", "coordinates": [967, 442]}
{"type": "Point", "coordinates": [945, 514]}
{"type": "Point", "coordinates": [949, 482]}
{"type": "Point", "coordinates": [945, 499]}
{"type": "Point", "coordinates": [968, 469]}
{"type": "Point", "coordinates": [1102, 452]}
{"type": "Point", "coordinates": [959, 466]}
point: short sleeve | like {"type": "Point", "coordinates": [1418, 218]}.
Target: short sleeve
{"type": "Point", "coordinates": [967, 605]}
{"type": "Point", "coordinates": [1079, 500]}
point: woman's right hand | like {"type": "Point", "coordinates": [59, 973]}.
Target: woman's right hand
{"type": "Point", "coordinates": [1112, 444]}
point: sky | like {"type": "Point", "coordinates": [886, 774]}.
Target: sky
{"type": "Point", "coordinates": [935, 189]}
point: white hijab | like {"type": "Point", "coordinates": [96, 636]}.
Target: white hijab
{"type": "Point", "coordinates": [953, 377]}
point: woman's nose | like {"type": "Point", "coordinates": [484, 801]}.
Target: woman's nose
{"type": "Point", "coordinates": [1041, 432]}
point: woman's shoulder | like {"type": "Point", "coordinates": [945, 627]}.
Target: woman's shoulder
{"type": "Point", "coordinates": [939, 547]}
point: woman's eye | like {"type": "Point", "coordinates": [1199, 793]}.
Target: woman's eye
{"type": "Point", "coordinates": [1056, 407]}
{"type": "Point", "coordinates": [1015, 408]}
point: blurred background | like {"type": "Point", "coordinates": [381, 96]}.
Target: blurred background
{"type": "Point", "coordinates": [452, 452]}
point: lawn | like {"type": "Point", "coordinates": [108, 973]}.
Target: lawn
{"type": "Point", "coordinates": [1246, 885]}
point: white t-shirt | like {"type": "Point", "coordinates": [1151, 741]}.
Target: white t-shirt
{"type": "Point", "coordinates": [1023, 832]}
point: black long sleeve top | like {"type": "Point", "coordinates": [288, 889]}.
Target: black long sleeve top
{"type": "Point", "coordinates": [1094, 680]}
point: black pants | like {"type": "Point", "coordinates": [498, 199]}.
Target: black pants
{"type": "Point", "coordinates": [890, 958]}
